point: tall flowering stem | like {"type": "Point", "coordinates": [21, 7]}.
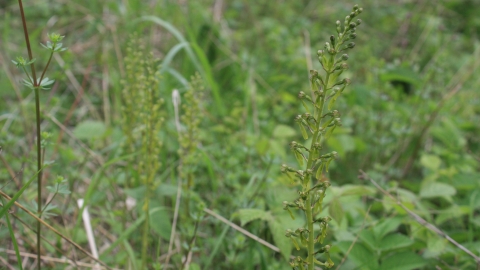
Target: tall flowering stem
{"type": "Point", "coordinates": [318, 122]}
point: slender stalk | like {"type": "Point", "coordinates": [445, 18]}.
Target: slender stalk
{"type": "Point", "coordinates": [39, 138]}
{"type": "Point", "coordinates": [309, 211]}
{"type": "Point", "coordinates": [324, 88]}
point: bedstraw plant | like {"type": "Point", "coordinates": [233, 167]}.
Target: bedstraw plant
{"type": "Point", "coordinates": [37, 83]}
{"type": "Point", "coordinates": [318, 123]}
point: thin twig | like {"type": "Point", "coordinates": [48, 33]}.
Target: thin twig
{"type": "Point", "coordinates": [240, 229]}
{"type": "Point", "coordinates": [175, 220]}
{"type": "Point", "coordinates": [53, 259]}
{"type": "Point", "coordinates": [419, 219]}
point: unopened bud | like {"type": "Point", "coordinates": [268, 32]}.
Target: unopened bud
{"type": "Point", "coordinates": [359, 22]}
{"type": "Point", "coordinates": [332, 39]}
{"type": "Point", "coordinates": [351, 45]}
{"type": "Point", "coordinates": [345, 57]}
{"type": "Point", "coordinates": [327, 46]}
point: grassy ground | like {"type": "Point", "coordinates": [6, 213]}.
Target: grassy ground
{"type": "Point", "coordinates": [410, 121]}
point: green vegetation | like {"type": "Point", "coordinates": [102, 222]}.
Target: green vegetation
{"type": "Point", "coordinates": [184, 171]}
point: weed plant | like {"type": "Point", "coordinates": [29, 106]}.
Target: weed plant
{"type": "Point", "coordinates": [319, 123]}
{"type": "Point", "coordinates": [141, 124]}
{"type": "Point", "coordinates": [410, 121]}
{"type": "Point", "coordinates": [37, 83]}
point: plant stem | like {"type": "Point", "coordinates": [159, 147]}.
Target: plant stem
{"type": "Point", "coordinates": [39, 176]}
{"type": "Point", "coordinates": [39, 138]}
{"type": "Point", "coordinates": [309, 211]}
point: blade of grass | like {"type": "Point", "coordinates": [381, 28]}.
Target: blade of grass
{"type": "Point", "coordinates": [203, 66]}
{"type": "Point", "coordinates": [17, 195]}
{"type": "Point", "coordinates": [95, 182]}
{"type": "Point", "coordinates": [14, 241]}
{"type": "Point", "coordinates": [128, 231]}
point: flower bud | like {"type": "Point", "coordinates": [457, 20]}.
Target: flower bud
{"type": "Point", "coordinates": [320, 53]}
{"type": "Point", "coordinates": [352, 25]}
{"type": "Point", "coordinates": [351, 45]}
{"type": "Point", "coordinates": [301, 95]}
{"type": "Point", "coordinates": [345, 57]}
{"type": "Point", "coordinates": [359, 22]}
{"type": "Point", "coordinates": [327, 46]}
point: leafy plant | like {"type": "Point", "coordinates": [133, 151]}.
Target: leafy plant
{"type": "Point", "coordinates": [319, 124]}
{"type": "Point", "coordinates": [36, 84]}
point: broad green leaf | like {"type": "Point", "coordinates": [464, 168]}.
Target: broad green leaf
{"type": "Point", "coordinates": [394, 241]}
{"type": "Point", "coordinates": [386, 226]}
{"type": "Point", "coordinates": [431, 162]}
{"type": "Point", "coordinates": [452, 213]}
{"type": "Point", "coordinates": [247, 215]}
{"type": "Point", "coordinates": [194, 266]}
{"type": "Point", "coordinates": [363, 258]}
{"type": "Point", "coordinates": [435, 189]}
{"type": "Point", "coordinates": [403, 261]}
{"type": "Point", "coordinates": [278, 232]}
{"type": "Point", "coordinates": [336, 210]}
{"type": "Point", "coordinates": [89, 129]}
{"type": "Point", "coordinates": [435, 246]}
{"type": "Point", "coordinates": [466, 181]}
{"type": "Point", "coordinates": [160, 222]}
{"type": "Point", "coordinates": [284, 131]}
{"type": "Point", "coordinates": [368, 238]}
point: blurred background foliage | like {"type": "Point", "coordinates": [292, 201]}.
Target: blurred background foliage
{"type": "Point", "coordinates": [410, 120]}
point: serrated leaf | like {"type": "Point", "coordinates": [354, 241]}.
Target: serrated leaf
{"type": "Point", "coordinates": [435, 189]}
{"type": "Point", "coordinates": [278, 232]}
{"type": "Point", "coordinates": [403, 261]}
{"type": "Point", "coordinates": [361, 256]}
{"type": "Point", "coordinates": [89, 129]}
{"type": "Point", "coordinates": [336, 210]}
{"type": "Point", "coordinates": [368, 238]}
{"type": "Point", "coordinates": [248, 215]}
{"type": "Point", "coordinates": [386, 226]}
{"type": "Point", "coordinates": [394, 241]}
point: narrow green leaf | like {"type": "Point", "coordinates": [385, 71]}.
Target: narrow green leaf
{"type": "Point", "coordinates": [7, 206]}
